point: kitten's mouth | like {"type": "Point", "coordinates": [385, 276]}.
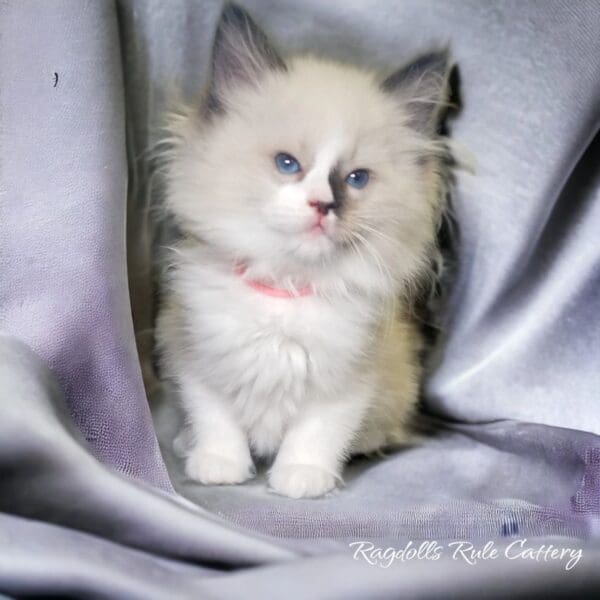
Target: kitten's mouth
{"type": "Point", "coordinates": [321, 227]}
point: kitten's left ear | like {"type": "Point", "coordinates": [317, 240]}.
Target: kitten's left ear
{"type": "Point", "coordinates": [423, 87]}
{"type": "Point", "coordinates": [241, 54]}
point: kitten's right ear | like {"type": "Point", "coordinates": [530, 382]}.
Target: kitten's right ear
{"type": "Point", "coordinates": [241, 55]}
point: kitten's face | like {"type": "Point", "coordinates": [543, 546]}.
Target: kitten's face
{"type": "Point", "coordinates": [305, 164]}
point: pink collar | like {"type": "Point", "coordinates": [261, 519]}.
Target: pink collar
{"type": "Point", "coordinates": [268, 290]}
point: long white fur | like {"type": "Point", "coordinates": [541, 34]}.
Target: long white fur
{"type": "Point", "coordinates": [306, 380]}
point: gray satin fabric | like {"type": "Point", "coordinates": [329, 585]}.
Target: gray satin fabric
{"type": "Point", "coordinates": [48, 473]}
{"type": "Point", "coordinates": [87, 506]}
{"type": "Point", "coordinates": [62, 235]}
{"type": "Point", "coordinates": [74, 528]}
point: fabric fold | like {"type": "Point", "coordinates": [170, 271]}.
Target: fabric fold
{"type": "Point", "coordinates": [63, 191]}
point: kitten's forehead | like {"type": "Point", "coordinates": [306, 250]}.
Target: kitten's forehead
{"type": "Point", "coordinates": [336, 96]}
{"type": "Point", "coordinates": [325, 114]}
{"type": "Point", "coordinates": [326, 110]}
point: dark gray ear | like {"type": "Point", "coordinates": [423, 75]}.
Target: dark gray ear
{"type": "Point", "coordinates": [423, 86]}
{"type": "Point", "coordinates": [241, 54]}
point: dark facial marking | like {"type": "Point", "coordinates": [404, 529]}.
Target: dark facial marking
{"type": "Point", "coordinates": [338, 189]}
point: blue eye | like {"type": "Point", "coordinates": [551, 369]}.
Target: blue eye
{"type": "Point", "coordinates": [287, 164]}
{"type": "Point", "coordinates": [358, 179]}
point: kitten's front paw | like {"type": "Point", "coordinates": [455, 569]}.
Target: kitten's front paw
{"type": "Point", "coordinates": [211, 468]}
{"type": "Point", "coordinates": [301, 481]}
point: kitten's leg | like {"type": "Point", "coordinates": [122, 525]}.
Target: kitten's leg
{"type": "Point", "coordinates": [219, 453]}
{"type": "Point", "coordinates": [315, 447]}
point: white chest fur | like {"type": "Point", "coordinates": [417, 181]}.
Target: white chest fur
{"type": "Point", "coordinates": [265, 354]}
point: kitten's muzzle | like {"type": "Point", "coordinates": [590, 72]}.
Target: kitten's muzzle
{"type": "Point", "coordinates": [321, 207]}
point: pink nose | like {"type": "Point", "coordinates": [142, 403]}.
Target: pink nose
{"type": "Point", "coordinates": [321, 207]}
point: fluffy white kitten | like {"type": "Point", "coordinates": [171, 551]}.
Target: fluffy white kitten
{"type": "Point", "coordinates": [308, 193]}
